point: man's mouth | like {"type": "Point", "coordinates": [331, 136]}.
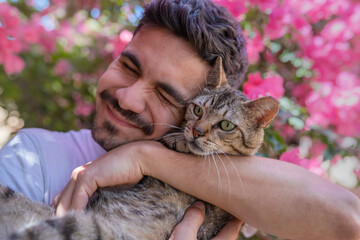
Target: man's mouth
{"type": "Point", "coordinates": [124, 117]}
{"type": "Point", "coordinates": [118, 118]}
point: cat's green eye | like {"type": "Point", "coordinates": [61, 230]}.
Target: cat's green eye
{"type": "Point", "coordinates": [198, 111]}
{"type": "Point", "coordinates": [226, 125]}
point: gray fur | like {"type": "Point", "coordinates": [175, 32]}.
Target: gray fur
{"type": "Point", "coordinates": [151, 209]}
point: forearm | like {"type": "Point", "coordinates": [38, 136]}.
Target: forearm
{"type": "Point", "coordinates": [276, 197]}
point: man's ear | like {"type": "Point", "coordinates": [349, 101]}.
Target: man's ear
{"type": "Point", "coordinates": [217, 75]}
{"type": "Point", "coordinates": [264, 109]}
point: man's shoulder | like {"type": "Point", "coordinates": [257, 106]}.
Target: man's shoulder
{"type": "Point", "coordinates": [70, 141]}
{"type": "Point", "coordinates": [39, 162]}
{"type": "Point", "coordinates": [47, 135]}
{"type": "Point", "coordinates": [41, 135]}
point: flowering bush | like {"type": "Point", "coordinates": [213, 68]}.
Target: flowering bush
{"type": "Point", "coordinates": [304, 53]}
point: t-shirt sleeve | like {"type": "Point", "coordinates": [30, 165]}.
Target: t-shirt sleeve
{"type": "Point", "coordinates": [20, 166]}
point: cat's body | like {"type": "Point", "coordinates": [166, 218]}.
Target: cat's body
{"type": "Point", "coordinates": [220, 120]}
{"type": "Point", "coordinates": [149, 210]}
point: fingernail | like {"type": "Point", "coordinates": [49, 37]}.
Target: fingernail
{"type": "Point", "coordinates": [199, 205]}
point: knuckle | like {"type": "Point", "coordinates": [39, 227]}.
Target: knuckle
{"type": "Point", "coordinates": [79, 172]}
{"type": "Point", "coordinates": [186, 228]}
{"type": "Point", "coordinates": [195, 213]}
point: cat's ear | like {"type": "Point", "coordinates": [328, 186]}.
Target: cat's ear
{"type": "Point", "coordinates": [217, 75]}
{"type": "Point", "coordinates": [264, 109]}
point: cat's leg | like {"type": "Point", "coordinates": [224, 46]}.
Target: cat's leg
{"type": "Point", "coordinates": [176, 142]}
{"type": "Point", "coordinates": [73, 226]}
{"type": "Point", "coordinates": [17, 211]}
{"type": "Point", "coordinates": [215, 220]}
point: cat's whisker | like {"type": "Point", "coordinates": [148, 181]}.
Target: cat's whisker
{"type": "Point", "coordinates": [218, 174]}
{"type": "Point", "coordinates": [227, 173]}
{"type": "Point", "coordinates": [235, 168]}
{"type": "Point", "coordinates": [201, 88]}
{"type": "Point", "coordinates": [209, 168]}
{"type": "Point", "coordinates": [165, 124]}
{"type": "Point", "coordinates": [176, 136]}
{"type": "Point", "coordinates": [203, 159]}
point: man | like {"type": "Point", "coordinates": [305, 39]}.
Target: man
{"type": "Point", "coordinates": [143, 93]}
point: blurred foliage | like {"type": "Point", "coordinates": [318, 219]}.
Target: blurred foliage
{"type": "Point", "coordinates": [45, 99]}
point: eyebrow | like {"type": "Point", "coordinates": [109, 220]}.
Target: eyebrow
{"type": "Point", "coordinates": [132, 58]}
{"type": "Point", "coordinates": [166, 87]}
{"type": "Point", "coordinates": [172, 92]}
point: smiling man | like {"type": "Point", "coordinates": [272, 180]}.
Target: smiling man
{"type": "Point", "coordinates": [144, 91]}
{"type": "Point", "coordinates": [140, 96]}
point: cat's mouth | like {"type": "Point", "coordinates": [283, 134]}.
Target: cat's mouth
{"type": "Point", "coordinates": [195, 149]}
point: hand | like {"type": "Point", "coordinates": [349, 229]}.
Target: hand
{"type": "Point", "coordinates": [194, 216]}
{"type": "Point", "coordinates": [119, 166]}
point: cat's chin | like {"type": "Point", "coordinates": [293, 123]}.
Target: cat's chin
{"type": "Point", "coordinates": [195, 149]}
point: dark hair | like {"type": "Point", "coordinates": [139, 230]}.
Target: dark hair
{"type": "Point", "coordinates": [210, 28]}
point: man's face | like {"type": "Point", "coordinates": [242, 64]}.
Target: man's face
{"type": "Point", "coordinates": [143, 92]}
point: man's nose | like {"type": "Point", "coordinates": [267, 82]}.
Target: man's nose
{"type": "Point", "coordinates": [132, 97]}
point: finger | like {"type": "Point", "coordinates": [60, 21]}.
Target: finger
{"type": "Point", "coordinates": [188, 228]}
{"type": "Point", "coordinates": [230, 231]}
{"type": "Point", "coordinates": [84, 188]}
{"type": "Point", "coordinates": [64, 198]}
{"type": "Point", "coordinates": [80, 198]}
{"type": "Point", "coordinates": [56, 200]}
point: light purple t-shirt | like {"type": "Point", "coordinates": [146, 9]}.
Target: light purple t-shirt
{"type": "Point", "coordinates": [39, 162]}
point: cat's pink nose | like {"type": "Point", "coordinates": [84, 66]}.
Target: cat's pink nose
{"type": "Point", "coordinates": [197, 133]}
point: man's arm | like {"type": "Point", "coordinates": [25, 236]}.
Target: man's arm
{"type": "Point", "coordinates": [273, 196]}
{"type": "Point", "coordinates": [276, 197]}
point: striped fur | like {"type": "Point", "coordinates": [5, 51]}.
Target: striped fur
{"type": "Point", "coordinates": [225, 103]}
{"type": "Point", "coordinates": [150, 209]}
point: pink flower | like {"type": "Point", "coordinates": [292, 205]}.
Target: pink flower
{"type": "Point", "coordinates": [279, 19]}
{"type": "Point", "coordinates": [335, 159]}
{"type": "Point", "coordinates": [255, 46]}
{"type": "Point", "coordinates": [67, 32]}
{"type": "Point", "coordinates": [257, 87]}
{"type": "Point", "coordinates": [286, 131]}
{"type": "Point", "coordinates": [13, 64]}
{"type": "Point", "coordinates": [357, 173]}
{"type": "Point", "coordinates": [337, 30]}
{"type": "Point", "coordinates": [62, 67]}
{"type": "Point", "coordinates": [82, 108]}
{"type": "Point", "coordinates": [10, 43]}
{"type": "Point", "coordinates": [337, 105]}
{"type": "Point", "coordinates": [293, 156]}
{"type": "Point", "coordinates": [236, 7]}
{"type": "Point", "coordinates": [317, 149]}
{"type": "Point", "coordinates": [299, 22]}
{"type": "Point", "coordinates": [265, 5]}
{"type": "Point", "coordinates": [319, 9]}
{"type": "Point", "coordinates": [48, 41]}
{"type": "Point", "coordinates": [31, 34]}
{"type": "Point", "coordinates": [9, 16]}
{"type": "Point", "coordinates": [354, 19]}
{"type": "Point", "coordinates": [300, 92]}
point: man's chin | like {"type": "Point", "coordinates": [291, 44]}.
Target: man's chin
{"type": "Point", "coordinates": [107, 137]}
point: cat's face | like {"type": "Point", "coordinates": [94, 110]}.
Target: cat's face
{"type": "Point", "coordinates": [224, 120]}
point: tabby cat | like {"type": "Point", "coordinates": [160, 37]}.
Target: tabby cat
{"type": "Point", "coordinates": [219, 120]}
